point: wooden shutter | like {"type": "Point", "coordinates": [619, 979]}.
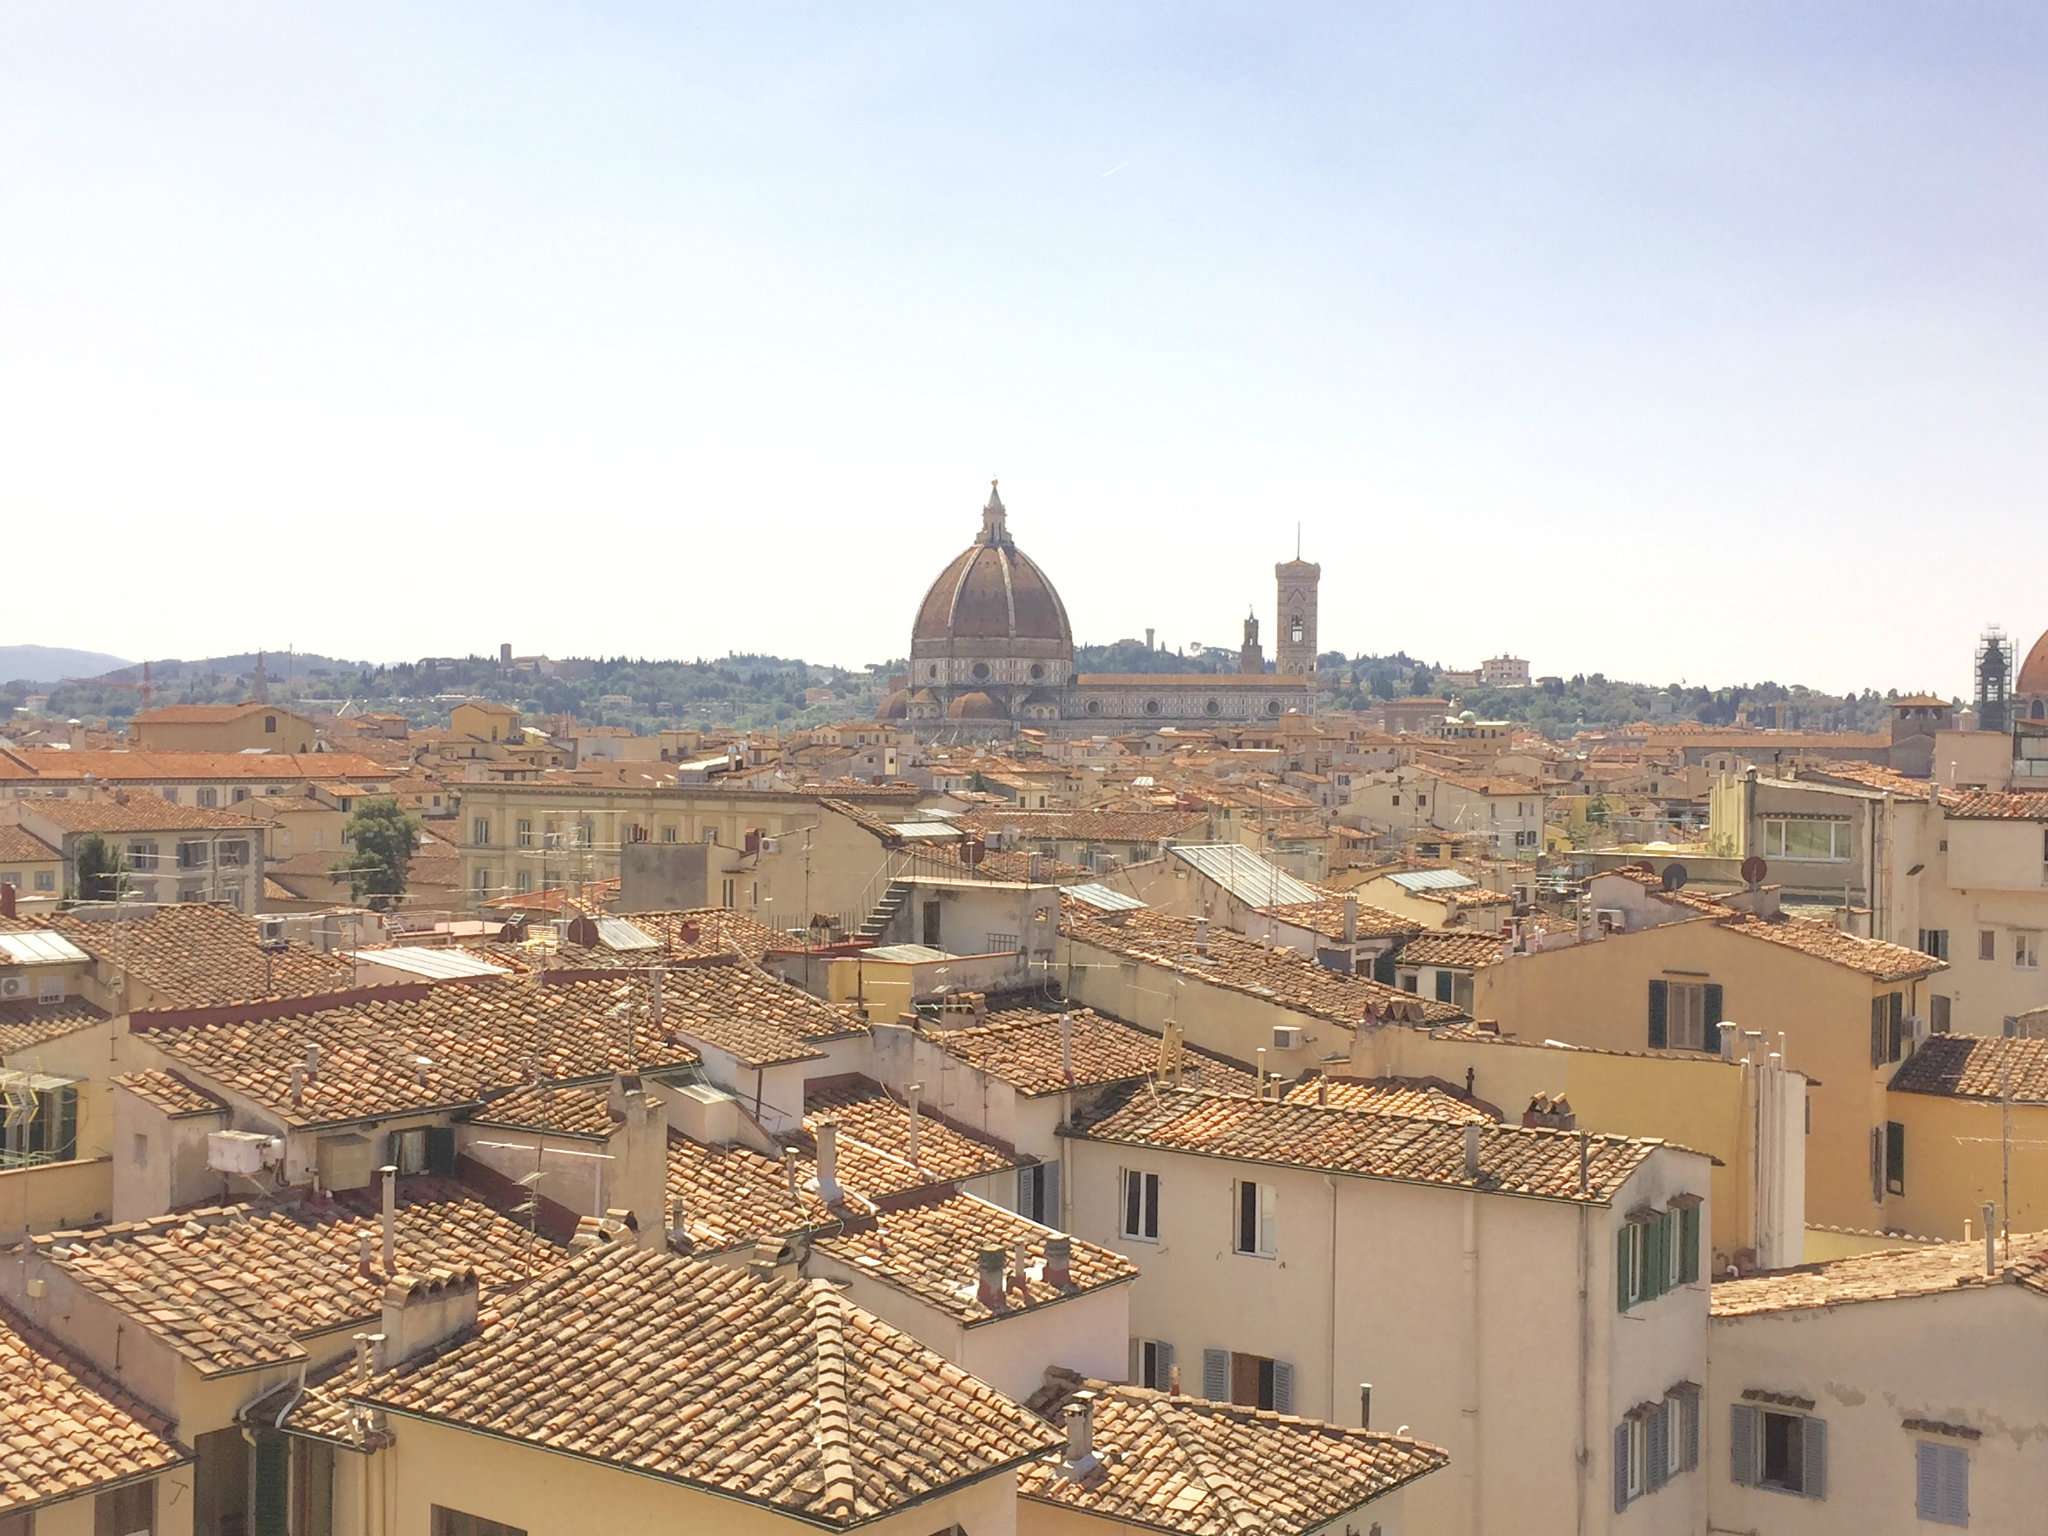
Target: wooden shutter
{"type": "Point", "coordinates": [1027, 1192]}
{"type": "Point", "coordinates": [1877, 1031]}
{"type": "Point", "coordinates": [1813, 1456]}
{"type": "Point", "coordinates": [1283, 1387]}
{"type": "Point", "coordinates": [1049, 1193]}
{"type": "Point", "coordinates": [1927, 1481]}
{"type": "Point", "coordinates": [1621, 1253]}
{"type": "Point", "coordinates": [1710, 1037]}
{"type": "Point", "coordinates": [1660, 1007]}
{"type": "Point", "coordinates": [1742, 1430]}
{"type": "Point", "coordinates": [271, 1503]}
{"type": "Point", "coordinates": [1689, 1243]}
{"type": "Point", "coordinates": [1216, 1375]}
{"type": "Point", "coordinates": [1621, 1466]}
{"type": "Point", "coordinates": [1657, 1445]}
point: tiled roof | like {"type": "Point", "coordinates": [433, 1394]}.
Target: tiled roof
{"type": "Point", "coordinates": [63, 766]}
{"type": "Point", "coordinates": [233, 1287]}
{"type": "Point", "coordinates": [66, 1430]}
{"type": "Point", "coordinates": [1326, 917]}
{"type": "Point", "coordinates": [1418, 1098]}
{"type": "Point", "coordinates": [1512, 1160]}
{"type": "Point", "coordinates": [133, 811]}
{"type": "Point", "coordinates": [869, 1118]}
{"type": "Point", "coordinates": [1977, 1067]}
{"type": "Point", "coordinates": [563, 1111]}
{"type": "Point", "coordinates": [194, 955]}
{"type": "Point", "coordinates": [1021, 1047]}
{"type": "Point", "coordinates": [1454, 948]}
{"type": "Point", "coordinates": [19, 847]}
{"type": "Point", "coordinates": [760, 1020]}
{"type": "Point", "coordinates": [733, 1196]}
{"type": "Point", "coordinates": [172, 1094]}
{"type": "Point", "coordinates": [1289, 979]}
{"type": "Point", "coordinates": [1200, 1468]}
{"type": "Point", "coordinates": [1088, 826]}
{"type": "Point", "coordinates": [429, 1047]}
{"type": "Point", "coordinates": [931, 1250]}
{"type": "Point", "coordinates": [1985, 805]}
{"type": "Point", "coordinates": [1824, 941]}
{"type": "Point", "coordinates": [25, 1025]}
{"type": "Point", "coordinates": [1887, 1276]}
{"type": "Point", "coordinates": [779, 1393]}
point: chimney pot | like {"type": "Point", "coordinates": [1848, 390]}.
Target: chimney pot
{"type": "Point", "coordinates": [312, 1060]}
{"type": "Point", "coordinates": [1471, 1151]}
{"type": "Point", "coordinates": [1365, 1405]}
{"type": "Point", "coordinates": [989, 1279]}
{"type": "Point", "coordinates": [1350, 917]}
{"type": "Point", "coordinates": [914, 1094]}
{"type": "Point", "coordinates": [389, 1175]}
{"type": "Point", "coordinates": [826, 1132]}
{"type": "Point", "coordinates": [1059, 1261]}
{"type": "Point", "coordinates": [298, 1085]}
{"type": "Point", "coordinates": [1080, 1435]}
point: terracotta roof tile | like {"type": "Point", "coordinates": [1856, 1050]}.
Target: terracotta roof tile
{"type": "Point", "coordinates": [931, 1250]}
{"type": "Point", "coordinates": [64, 1429]}
{"type": "Point", "coordinates": [733, 1196]}
{"type": "Point", "coordinates": [1886, 1276]}
{"type": "Point", "coordinates": [1021, 1047]}
{"type": "Point", "coordinates": [1454, 948]}
{"type": "Point", "coordinates": [1512, 1160]}
{"type": "Point", "coordinates": [1326, 917]}
{"type": "Point", "coordinates": [779, 1393]}
{"type": "Point", "coordinates": [1976, 1067]}
{"type": "Point", "coordinates": [1417, 1098]}
{"type": "Point", "coordinates": [558, 1109]}
{"type": "Point", "coordinates": [1990, 806]}
{"type": "Point", "coordinates": [19, 847]}
{"type": "Point", "coordinates": [25, 1025]}
{"type": "Point", "coordinates": [1824, 941]}
{"type": "Point", "coordinates": [872, 1121]}
{"type": "Point", "coordinates": [174, 1095]}
{"type": "Point", "coordinates": [1200, 1468]}
{"type": "Point", "coordinates": [1094, 826]}
{"type": "Point", "coordinates": [133, 811]}
{"type": "Point", "coordinates": [194, 955]}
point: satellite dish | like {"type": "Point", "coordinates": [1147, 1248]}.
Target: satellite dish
{"type": "Point", "coordinates": [1754, 869]}
{"type": "Point", "coordinates": [1674, 876]}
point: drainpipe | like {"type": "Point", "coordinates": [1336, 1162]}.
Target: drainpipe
{"type": "Point", "coordinates": [1473, 1351]}
{"type": "Point", "coordinates": [1331, 1354]}
{"type": "Point", "coordinates": [1583, 1451]}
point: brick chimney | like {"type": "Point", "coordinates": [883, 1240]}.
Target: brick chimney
{"type": "Point", "coordinates": [1059, 1261]}
{"type": "Point", "coordinates": [988, 1279]}
{"type": "Point", "coordinates": [422, 1311]}
{"type": "Point", "coordinates": [1552, 1114]}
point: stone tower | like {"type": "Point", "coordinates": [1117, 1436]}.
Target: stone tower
{"type": "Point", "coordinates": [1250, 659]}
{"type": "Point", "coordinates": [1294, 647]}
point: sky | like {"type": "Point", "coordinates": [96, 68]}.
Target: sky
{"type": "Point", "coordinates": [1687, 341]}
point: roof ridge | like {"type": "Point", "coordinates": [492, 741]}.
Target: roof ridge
{"type": "Point", "coordinates": [834, 1398]}
{"type": "Point", "coordinates": [1242, 1514]}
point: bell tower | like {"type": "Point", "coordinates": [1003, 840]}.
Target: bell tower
{"type": "Point", "coordinates": [1294, 647]}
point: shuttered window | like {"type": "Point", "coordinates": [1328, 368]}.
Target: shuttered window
{"type": "Point", "coordinates": [1894, 1157]}
{"type": "Point", "coordinates": [129, 1511]}
{"type": "Point", "coordinates": [1216, 1375]}
{"type": "Point", "coordinates": [1784, 1452]}
{"type": "Point", "coordinates": [273, 1486]}
{"type": "Point", "coordinates": [1254, 1223]}
{"type": "Point", "coordinates": [1941, 1483]}
{"type": "Point", "coordinates": [1141, 1205]}
{"type": "Point", "coordinates": [1660, 1008]}
{"type": "Point", "coordinates": [1152, 1364]}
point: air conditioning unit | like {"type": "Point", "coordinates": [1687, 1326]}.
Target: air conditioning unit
{"type": "Point", "coordinates": [1917, 1030]}
{"type": "Point", "coordinates": [1287, 1037]}
{"type": "Point", "coordinates": [1610, 919]}
{"type": "Point", "coordinates": [771, 845]}
{"type": "Point", "coordinates": [245, 1152]}
{"type": "Point", "coordinates": [13, 986]}
{"type": "Point", "coordinates": [270, 930]}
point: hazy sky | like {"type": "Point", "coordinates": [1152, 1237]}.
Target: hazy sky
{"type": "Point", "coordinates": [1699, 341]}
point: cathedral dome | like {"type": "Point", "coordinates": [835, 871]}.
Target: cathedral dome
{"type": "Point", "coordinates": [992, 601]}
{"type": "Point", "coordinates": [975, 706]}
{"type": "Point", "coordinates": [2033, 678]}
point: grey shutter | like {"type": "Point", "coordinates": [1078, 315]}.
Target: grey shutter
{"type": "Point", "coordinates": [1049, 1194]}
{"type": "Point", "coordinates": [1813, 1456]}
{"type": "Point", "coordinates": [1162, 1357]}
{"type": "Point", "coordinates": [1927, 1481]}
{"type": "Point", "coordinates": [1710, 1037]}
{"type": "Point", "coordinates": [1657, 1444]}
{"type": "Point", "coordinates": [1660, 1002]}
{"type": "Point", "coordinates": [1621, 1258]}
{"type": "Point", "coordinates": [1955, 1485]}
{"type": "Point", "coordinates": [1621, 1467]}
{"type": "Point", "coordinates": [1689, 1428]}
{"type": "Point", "coordinates": [1877, 1031]}
{"type": "Point", "coordinates": [1027, 1190]}
{"type": "Point", "coordinates": [1742, 1445]}
{"type": "Point", "coordinates": [1283, 1387]}
{"type": "Point", "coordinates": [272, 1485]}
{"type": "Point", "coordinates": [1216, 1375]}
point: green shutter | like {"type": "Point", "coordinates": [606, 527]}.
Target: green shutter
{"type": "Point", "coordinates": [1689, 1244]}
{"type": "Point", "coordinates": [1710, 1040]}
{"type": "Point", "coordinates": [1621, 1242]}
{"type": "Point", "coordinates": [1660, 998]}
{"type": "Point", "coordinates": [273, 1486]}
{"type": "Point", "coordinates": [1653, 1259]}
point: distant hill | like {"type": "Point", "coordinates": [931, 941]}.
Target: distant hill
{"type": "Point", "coordinates": [52, 663]}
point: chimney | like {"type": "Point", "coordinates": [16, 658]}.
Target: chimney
{"type": "Point", "coordinates": [312, 1062]}
{"type": "Point", "coordinates": [1350, 917]}
{"type": "Point", "coordinates": [1365, 1405]}
{"type": "Point", "coordinates": [6, 901]}
{"type": "Point", "coordinates": [1585, 1163]}
{"type": "Point", "coordinates": [1201, 935]}
{"type": "Point", "coordinates": [789, 1160]}
{"type": "Point", "coordinates": [1059, 1261]}
{"type": "Point", "coordinates": [678, 1228]}
{"type": "Point", "coordinates": [1322, 1090]}
{"type": "Point", "coordinates": [988, 1288]}
{"type": "Point", "coordinates": [687, 933]}
{"type": "Point", "coordinates": [1080, 1460]}
{"type": "Point", "coordinates": [773, 1259]}
{"type": "Point", "coordinates": [365, 1256]}
{"type": "Point", "coordinates": [1471, 1151]}
{"type": "Point", "coordinates": [389, 1174]}
{"type": "Point", "coordinates": [970, 852]}
{"type": "Point", "coordinates": [914, 1093]}
{"type": "Point", "coordinates": [367, 1347]}
{"type": "Point", "coordinates": [1020, 1267]}
{"type": "Point", "coordinates": [1173, 1380]}
{"type": "Point", "coordinates": [426, 1310]}
{"type": "Point", "coordinates": [298, 1085]}
{"type": "Point", "coordinates": [1990, 1238]}
{"type": "Point", "coordinates": [826, 1130]}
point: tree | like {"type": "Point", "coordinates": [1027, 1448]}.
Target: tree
{"type": "Point", "coordinates": [384, 839]}
{"type": "Point", "coordinates": [100, 869]}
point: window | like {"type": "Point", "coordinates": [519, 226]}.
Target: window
{"type": "Point", "coordinates": [1941, 1482]}
{"type": "Point", "coordinates": [1895, 1157]}
{"type": "Point", "coordinates": [483, 881]}
{"type": "Point", "coordinates": [1152, 1364]}
{"type": "Point", "coordinates": [522, 833]}
{"type": "Point", "coordinates": [1255, 1204]}
{"type": "Point", "coordinates": [1785, 1452]}
{"type": "Point", "coordinates": [1443, 986]}
{"type": "Point", "coordinates": [194, 855]}
{"type": "Point", "coordinates": [1141, 1205]}
{"type": "Point", "coordinates": [1987, 944]}
{"type": "Point", "coordinates": [522, 881]}
{"type": "Point", "coordinates": [1939, 1009]}
{"type": "Point", "coordinates": [453, 1522]}
{"type": "Point", "coordinates": [170, 793]}
{"type": "Point", "coordinates": [2026, 951]}
{"type": "Point", "coordinates": [1887, 1028]}
{"type": "Point", "coordinates": [1788, 837]}
{"type": "Point", "coordinates": [235, 855]}
{"type": "Point", "coordinates": [11, 877]}
{"type": "Point", "coordinates": [1038, 1193]}
{"type": "Point", "coordinates": [1631, 1244]}
{"type": "Point", "coordinates": [142, 853]}
{"type": "Point", "coordinates": [1934, 941]}
{"type": "Point", "coordinates": [129, 1511]}
{"type": "Point", "coordinates": [208, 798]}
{"type": "Point", "coordinates": [46, 880]}
{"type": "Point", "coordinates": [668, 833]}
{"type": "Point", "coordinates": [480, 831]}
{"type": "Point", "coordinates": [1251, 1381]}
{"type": "Point", "coordinates": [727, 893]}
{"type": "Point", "coordinates": [407, 1150]}
{"type": "Point", "coordinates": [1683, 1015]}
